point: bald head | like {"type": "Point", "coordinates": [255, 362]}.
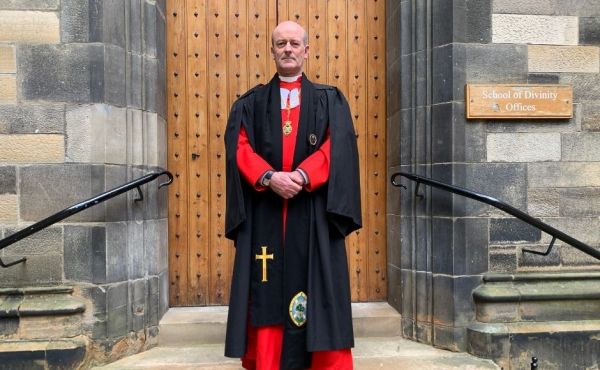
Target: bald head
{"type": "Point", "coordinates": [289, 48]}
{"type": "Point", "coordinates": [289, 25]}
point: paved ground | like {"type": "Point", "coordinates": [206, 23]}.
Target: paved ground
{"type": "Point", "coordinates": [369, 354]}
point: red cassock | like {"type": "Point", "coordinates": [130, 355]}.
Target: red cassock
{"type": "Point", "coordinates": [264, 343]}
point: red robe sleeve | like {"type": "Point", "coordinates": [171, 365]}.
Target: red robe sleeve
{"type": "Point", "coordinates": [251, 165]}
{"type": "Point", "coordinates": [316, 166]}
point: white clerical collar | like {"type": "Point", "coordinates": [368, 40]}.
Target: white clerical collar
{"type": "Point", "coordinates": [289, 79]}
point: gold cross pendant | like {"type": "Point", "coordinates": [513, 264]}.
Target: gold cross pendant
{"type": "Point", "coordinates": [287, 128]}
{"type": "Point", "coordinates": [264, 257]}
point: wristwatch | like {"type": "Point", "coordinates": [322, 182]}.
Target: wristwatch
{"type": "Point", "coordinates": [267, 178]}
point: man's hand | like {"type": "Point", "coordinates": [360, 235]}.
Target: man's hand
{"type": "Point", "coordinates": [286, 184]}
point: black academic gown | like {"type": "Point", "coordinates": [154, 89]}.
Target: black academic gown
{"type": "Point", "coordinates": [314, 260]}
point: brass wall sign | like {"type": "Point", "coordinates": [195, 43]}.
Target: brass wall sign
{"type": "Point", "coordinates": [505, 101]}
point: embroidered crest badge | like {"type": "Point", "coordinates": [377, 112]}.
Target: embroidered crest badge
{"type": "Point", "coordinates": [298, 309]}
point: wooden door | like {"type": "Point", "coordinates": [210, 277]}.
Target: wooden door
{"type": "Point", "coordinates": [216, 50]}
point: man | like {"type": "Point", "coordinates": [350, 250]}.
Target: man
{"type": "Point", "coordinates": [292, 197]}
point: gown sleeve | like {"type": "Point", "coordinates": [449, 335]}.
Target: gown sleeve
{"type": "Point", "coordinates": [316, 166]}
{"type": "Point", "coordinates": [251, 165]}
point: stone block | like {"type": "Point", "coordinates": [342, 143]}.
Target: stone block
{"type": "Point", "coordinates": [163, 293]}
{"type": "Point", "coordinates": [454, 305]}
{"type": "Point", "coordinates": [393, 139]}
{"type": "Point", "coordinates": [582, 59]}
{"type": "Point", "coordinates": [85, 253]}
{"type": "Point", "coordinates": [502, 260]}
{"type": "Point", "coordinates": [534, 29]}
{"type": "Point", "coordinates": [8, 208]}
{"type": "Point", "coordinates": [441, 246]}
{"type": "Point", "coordinates": [589, 30]}
{"type": "Point", "coordinates": [442, 25]}
{"type": "Point", "coordinates": [563, 174]}
{"type": "Point", "coordinates": [8, 180]}
{"type": "Point", "coordinates": [74, 21]}
{"type": "Point", "coordinates": [150, 28]}
{"type": "Point", "coordinates": [536, 260]}
{"type": "Point", "coordinates": [8, 89]}
{"type": "Point", "coordinates": [586, 86]}
{"type": "Point", "coordinates": [9, 326]}
{"type": "Point", "coordinates": [137, 303]}
{"type": "Point", "coordinates": [393, 34]}
{"type": "Point", "coordinates": [591, 116]}
{"type": "Point", "coordinates": [420, 26]}
{"type": "Point", "coordinates": [58, 187]}
{"type": "Point", "coordinates": [45, 242]}
{"type": "Point", "coordinates": [151, 139]}
{"type": "Point", "coordinates": [117, 308]}
{"type": "Point", "coordinates": [406, 242]}
{"type": "Point", "coordinates": [547, 126]}
{"type": "Point", "coordinates": [423, 297]}
{"type": "Point", "coordinates": [406, 28]}
{"type": "Point", "coordinates": [579, 202]}
{"type": "Point", "coordinates": [407, 284]}
{"type": "Point", "coordinates": [37, 270]}
{"type": "Point", "coordinates": [135, 249]}
{"type": "Point", "coordinates": [524, 7]}
{"type": "Point", "coordinates": [582, 8]}
{"type": "Point", "coordinates": [543, 202]}
{"type": "Point", "coordinates": [393, 244]}
{"type": "Point", "coordinates": [151, 87]}
{"type": "Point", "coordinates": [161, 151]}
{"type": "Point", "coordinates": [394, 88]}
{"type": "Point", "coordinates": [478, 21]}
{"type": "Point", "coordinates": [32, 118]}
{"type": "Point", "coordinates": [115, 126]}
{"type": "Point", "coordinates": [114, 75]}
{"type": "Point", "coordinates": [107, 22]}
{"type": "Point", "coordinates": [394, 287]}
{"type": "Point", "coordinates": [491, 63]}
{"type": "Point", "coordinates": [571, 257]}
{"type": "Point", "coordinates": [134, 81]}
{"type": "Point", "coordinates": [406, 92]}
{"type": "Point", "coordinates": [582, 147]}
{"type": "Point", "coordinates": [135, 134]}
{"type": "Point", "coordinates": [584, 229]}
{"type": "Point", "coordinates": [443, 73]}
{"type": "Point", "coordinates": [523, 147]}
{"type": "Point", "coordinates": [8, 62]}
{"type": "Point", "coordinates": [116, 252]}
{"type": "Point", "coordinates": [504, 230]}
{"type": "Point", "coordinates": [32, 148]}
{"type": "Point", "coordinates": [29, 4]}
{"type": "Point", "coordinates": [70, 72]}
{"type": "Point", "coordinates": [116, 208]}
{"type": "Point", "coordinates": [134, 26]}
{"type": "Point", "coordinates": [470, 246]}
{"type": "Point", "coordinates": [29, 26]}
{"type": "Point", "coordinates": [542, 78]}
{"type": "Point", "coordinates": [406, 143]}
{"type": "Point", "coordinates": [449, 337]}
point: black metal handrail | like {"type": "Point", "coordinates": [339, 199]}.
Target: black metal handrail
{"type": "Point", "coordinates": [76, 208]}
{"type": "Point", "coordinates": [556, 234]}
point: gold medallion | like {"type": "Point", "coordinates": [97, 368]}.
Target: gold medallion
{"type": "Point", "coordinates": [287, 128]}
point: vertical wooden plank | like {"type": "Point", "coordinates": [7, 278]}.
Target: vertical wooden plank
{"type": "Point", "coordinates": [336, 44]}
{"type": "Point", "coordinates": [317, 40]}
{"type": "Point", "coordinates": [357, 97]}
{"type": "Point", "coordinates": [298, 12]}
{"type": "Point", "coordinates": [177, 151]}
{"type": "Point", "coordinates": [197, 154]}
{"type": "Point", "coordinates": [376, 112]}
{"type": "Point", "coordinates": [274, 19]}
{"type": "Point", "coordinates": [218, 106]}
{"type": "Point", "coordinates": [283, 11]}
{"type": "Point", "coordinates": [259, 42]}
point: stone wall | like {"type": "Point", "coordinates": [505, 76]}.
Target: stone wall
{"type": "Point", "coordinates": [440, 246]}
{"type": "Point", "coordinates": [82, 110]}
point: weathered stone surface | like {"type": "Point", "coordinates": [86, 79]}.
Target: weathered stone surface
{"type": "Point", "coordinates": [573, 257]}
{"type": "Point", "coordinates": [116, 251]}
{"type": "Point", "coordinates": [135, 251]}
{"type": "Point", "coordinates": [478, 21]}
{"type": "Point", "coordinates": [470, 246]}
{"type": "Point", "coordinates": [583, 59]}
{"type": "Point", "coordinates": [150, 28]}
{"type": "Point", "coordinates": [550, 125]}
{"type": "Point", "coordinates": [496, 63]}
{"type": "Point", "coordinates": [534, 29]}
{"type": "Point", "coordinates": [394, 288]}
{"type": "Point", "coordinates": [8, 180]}
{"type": "Point", "coordinates": [8, 62]}
{"type": "Point", "coordinates": [134, 26]}
{"type": "Point", "coordinates": [161, 155]}
{"type": "Point", "coordinates": [581, 147]}
{"type": "Point", "coordinates": [393, 34]}
{"type": "Point", "coordinates": [512, 230]}
{"type": "Point", "coordinates": [74, 21]}
{"type": "Point", "coordinates": [393, 236]}
{"type": "Point", "coordinates": [135, 149]}
{"type": "Point", "coordinates": [524, 7]}
{"type": "Point", "coordinates": [564, 174]}
{"type": "Point", "coordinates": [152, 89]}
{"type": "Point", "coordinates": [542, 78]}
{"type": "Point", "coordinates": [38, 270]}
{"type": "Point", "coordinates": [58, 187]}
{"type": "Point", "coordinates": [584, 229]}
{"type": "Point", "coordinates": [115, 123]}
{"type": "Point", "coordinates": [8, 88]}
{"type": "Point", "coordinates": [29, 26]}
{"type": "Point", "coordinates": [29, 4]}
{"type": "Point", "coordinates": [589, 30]}
{"type": "Point", "coordinates": [523, 147]}
{"type": "Point", "coordinates": [45, 242]}
{"type": "Point", "coordinates": [107, 21]}
{"type": "Point", "coordinates": [116, 302]}
{"type": "Point", "coordinates": [32, 118]}
{"type": "Point", "coordinates": [8, 208]}
{"type": "Point", "coordinates": [454, 305]}
{"type": "Point", "coordinates": [134, 81]}
{"type": "Point", "coordinates": [84, 253]}
{"type": "Point", "coordinates": [543, 202]}
{"type": "Point", "coordinates": [114, 76]}
{"type": "Point", "coordinates": [585, 8]}
{"type": "Point", "coordinates": [155, 246]}
{"type": "Point", "coordinates": [579, 202]}
{"type": "Point", "coordinates": [503, 260]}
{"type": "Point", "coordinates": [535, 260]}
{"type": "Point", "coordinates": [61, 72]}
{"type": "Point", "coordinates": [137, 303]}
{"type": "Point", "coordinates": [591, 116]}
{"type": "Point", "coordinates": [32, 148]}
{"type": "Point", "coordinates": [586, 86]}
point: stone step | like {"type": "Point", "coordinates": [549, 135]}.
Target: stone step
{"type": "Point", "coordinates": [41, 354]}
{"type": "Point", "coordinates": [383, 353]}
{"type": "Point", "coordinates": [182, 326]}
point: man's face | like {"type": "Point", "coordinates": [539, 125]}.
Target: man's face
{"type": "Point", "coordinates": [289, 49]}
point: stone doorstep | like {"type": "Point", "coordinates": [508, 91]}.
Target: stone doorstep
{"type": "Point", "coordinates": [205, 325]}
{"type": "Point", "coordinates": [25, 354]}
